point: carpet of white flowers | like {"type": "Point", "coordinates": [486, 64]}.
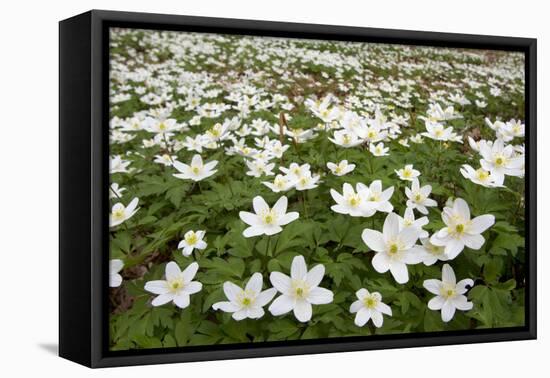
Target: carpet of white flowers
{"type": "Point", "coordinates": [268, 189]}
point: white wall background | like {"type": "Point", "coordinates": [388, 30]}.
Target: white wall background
{"type": "Point", "coordinates": [29, 189]}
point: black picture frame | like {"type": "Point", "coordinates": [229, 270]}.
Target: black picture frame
{"type": "Point", "coordinates": [83, 198]}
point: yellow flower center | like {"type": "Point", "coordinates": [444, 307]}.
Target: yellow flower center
{"type": "Point", "coordinates": [499, 161]}
{"type": "Point", "coordinates": [448, 292]}
{"type": "Point", "coordinates": [246, 301]}
{"type": "Point", "coordinates": [269, 217]}
{"type": "Point", "coordinates": [196, 170]}
{"type": "Point", "coordinates": [346, 139]}
{"type": "Point", "coordinates": [175, 285]}
{"type": "Point", "coordinates": [354, 200]}
{"type": "Point", "coordinates": [192, 239]}
{"type": "Point", "coordinates": [394, 248]}
{"type": "Point", "coordinates": [482, 174]}
{"type": "Point", "coordinates": [371, 134]}
{"type": "Point", "coordinates": [300, 289]}
{"type": "Point", "coordinates": [118, 214]}
{"type": "Point", "coordinates": [418, 197]}
{"type": "Point", "coordinates": [459, 228]}
{"type": "Point", "coordinates": [162, 126]}
{"type": "Point", "coordinates": [370, 302]}
{"type": "Point", "coordinates": [407, 173]}
{"type": "Point", "coordinates": [438, 133]}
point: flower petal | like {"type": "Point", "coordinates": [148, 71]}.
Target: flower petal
{"type": "Point", "coordinates": [381, 262]}
{"type": "Point", "coordinates": [448, 275]}
{"type": "Point", "coordinates": [189, 273]}
{"type": "Point", "coordinates": [162, 299]}
{"type": "Point", "coordinates": [280, 206]}
{"type": "Point", "coordinates": [302, 310]}
{"type": "Point", "coordinates": [259, 205]}
{"type": "Point", "coordinates": [447, 311]}
{"type": "Point", "coordinates": [436, 303]}
{"type": "Point", "coordinates": [362, 317]}
{"type": "Point", "coordinates": [481, 223]}
{"type": "Point", "coordinates": [172, 271]}
{"type": "Point", "coordinates": [391, 226]}
{"type": "Point", "coordinates": [433, 286]}
{"type": "Point", "coordinates": [265, 297]}
{"type": "Point", "coordinates": [182, 300]}
{"type": "Point", "coordinates": [315, 275]}
{"type": "Point", "coordinates": [192, 287]}
{"type": "Point", "coordinates": [226, 306]}
{"type": "Point", "coordinates": [281, 305]}
{"type": "Point", "coordinates": [298, 269]}
{"type": "Point", "coordinates": [157, 287]}
{"type": "Point", "coordinates": [399, 272]}
{"type": "Point", "coordinates": [288, 217]}
{"type": "Point", "coordinates": [231, 291]}
{"type": "Point", "coordinates": [374, 240]}
{"type": "Point", "coordinates": [320, 295]}
{"type": "Point", "coordinates": [280, 281]}
{"type": "Point", "coordinates": [255, 283]}
{"type": "Point", "coordinates": [250, 218]}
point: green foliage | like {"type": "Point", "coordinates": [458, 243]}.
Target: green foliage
{"type": "Point", "coordinates": [169, 207]}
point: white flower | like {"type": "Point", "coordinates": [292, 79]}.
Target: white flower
{"type": "Point", "coordinates": [345, 139]}
{"type": "Point", "coordinates": [449, 294]}
{"type": "Point", "coordinates": [408, 173]}
{"type": "Point", "coordinates": [160, 126]}
{"type": "Point", "coordinates": [417, 139]}
{"type": "Point", "coordinates": [296, 171]}
{"type": "Point", "coordinates": [197, 171]}
{"type": "Point", "coordinates": [247, 303]}
{"type": "Point", "coordinates": [258, 168]}
{"type": "Point", "coordinates": [369, 306]}
{"type": "Point", "coordinates": [300, 135]}
{"type": "Point", "coordinates": [177, 287]}
{"type": "Point", "coordinates": [418, 197]}
{"type": "Point", "coordinates": [217, 133]}
{"type": "Point", "coordinates": [115, 266]}
{"type": "Point", "coordinates": [379, 149]}
{"type": "Point", "coordinates": [437, 131]}
{"type": "Point", "coordinates": [481, 104]}
{"type": "Point", "coordinates": [165, 159]}
{"type": "Point", "coordinates": [121, 213]}
{"type": "Point", "coordinates": [300, 290]}
{"type": "Point", "coordinates": [307, 182]}
{"type": "Point", "coordinates": [408, 220]}
{"type": "Point", "coordinates": [195, 144]}
{"type": "Point", "coordinates": [479, 176]}
{"type": "Point", "coordinates": [430, 253]}
{"type": "Point", "coordinates": [500, 160]}
{"type": "Point", "coordinates": [460, 231]}
{"type": "Point", "coordinates": [340, 169]}
{"type": "Point", "coordinates": [378, 196]}
{"type": "Point", "coordinates": [267, 221]}
{"type": "Point", "coordinates": [116, 191]}
{"type": "Point", "coordinates": [393, 247]}
{"type": "Point", "coordinates": [514, 128]}
{"type": "Point", "coordinates": [192, 240]}
{"type": "Point", "coordinates": [118, 165]}
{"type": "Point", "coordinates": [352, 203]}
{"type": "Point", "coordinates": [276, 148]}
{"type": "Point", "coordinates": [280, 184]}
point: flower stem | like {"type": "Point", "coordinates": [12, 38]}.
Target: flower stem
{"type": "Point", "coordinates": [304, 203]}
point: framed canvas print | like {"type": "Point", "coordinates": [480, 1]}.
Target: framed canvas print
{"type": "Point", "coordinates": [234, 188]}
